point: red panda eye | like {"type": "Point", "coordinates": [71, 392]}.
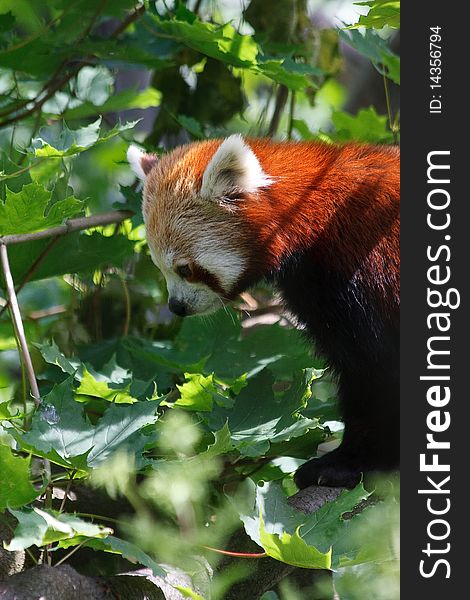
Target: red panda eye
{"type": "Point", "coordinates": [184, 271]}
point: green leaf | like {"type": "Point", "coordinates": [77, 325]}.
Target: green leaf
{"type": "Point", "coordinates": [74, 141]}
{"type": "Point", "coordinates": [220, 42]}
{"type": "Point", "coordinates": [197, 393]}
{"type": "Point", "coordinates": [224, 351]}
{"type": "Point", "coordinates": [222, 443]}
{"type": "Point", "coordinates": [293, 550]}
{"type": "Point", "coordinates": [325, 526]}
{"type": "Point", "coordinates": [322, 529]}
{"type": "Point", "coordinates": [73, 253]}
{"type": "Point", "coordinates": [30, 530]}
{"type": "Point", "coordinates": [4, 406]}
{"type": "Point", "coordinates": [94, 85]}
{"type": "Point", "coordinates": [89, 386]}
{"type": "Point", "coordinates": [375, 48]}
{"type": "Point", "coordinates": [52, 355]}
{"type": "Point", "coordinates": [367, 555]}
{"type": "Point", "coordinates": [126, 549]}
{"type": "Point", "coordinates": [276, 469]}
{"type": "Point", "coordinates": [27, 211]}
{"type": "Point", "coordinates": [191, 125]}
{"type": "Point", "coordinates": [371, 536]}
{"type": "Point", "coordinates": [119, 428]}
{"type": "Point", "coordinates": [382, 13]}
{"type": "Point", "coordinates": [125, 100]}
{"type": "Point", "coordinates": [293, 75]}
{"type": "Point", "coordinates": [39, 527]}
{"type": "Point", "coordinates": [259, 418]}
{"type": "Point", "coordinates": [59, 429]}
{"type": "Point", "coordinates": [366, 126]}
{"type": "Point", "coordinates": [223, 43]}
{"type": "Point", "coordinates": [16, 488]}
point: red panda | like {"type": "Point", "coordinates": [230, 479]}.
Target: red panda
{"type": "Point", "coordinates": [319, 221]}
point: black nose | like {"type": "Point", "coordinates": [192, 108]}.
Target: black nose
{"type": "Point", "coordinates": [177, 307]}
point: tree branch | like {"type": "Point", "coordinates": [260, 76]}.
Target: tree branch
{"type": "Point", "coordinates": [78, 224]}
{"type": "Point", "coordinates": [281, 99]}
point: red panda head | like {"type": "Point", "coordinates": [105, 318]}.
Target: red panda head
{"type": "Point", "coordinates": [192, 202]}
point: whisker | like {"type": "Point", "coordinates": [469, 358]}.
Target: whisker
{"type": "Point", "coordinates": [226, 310]}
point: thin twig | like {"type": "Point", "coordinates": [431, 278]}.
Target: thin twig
{"type": "Point", "coordinates": [127, 302]}
{"type": "Point", "coordinates": [20, 171]}
{"type": "Point", "coordinates": [67, 556]}
{"type": "Point", "coordinates": [197, 7]}
{"type": "Point", "coordinates": [32, 270]}
{"type": "Point", "coordinates": [92, 22]}
{"type": "Point", "coordinates": [54, 86]}
{"type": "Point", "coordinates": [237, 554]}
{"type": "Point", "coordinates": [48, 506]}
{"type": "Point", "coordinates": [291, 115]}
{"type": "Point", "coordinates": [39, 103]}
{"type": "Point", "coordinates": [67, 491]}
{"type": "Point", "coordinates": [78, 224]}
{"type": "Point", "coordinates": [18, 324]}
{"type": "Point", "coordinates": [128, 21]}
{"type": "Point", "coordinates": [389, 109]}
{"type": "Point", "coordinates": [281, 99]}
{"type": "Point", "coordinates": [35, 315]}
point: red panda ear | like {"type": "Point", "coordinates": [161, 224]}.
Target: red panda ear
{"type": "Point", "coordinates": [140, 161]}
{"type": "Point", "coordinates": [233, 168]}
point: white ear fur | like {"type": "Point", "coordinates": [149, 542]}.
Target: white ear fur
{"type": "Point", "coordinates": [134, 158]}
{"type": "Point", "coordinates": [234, 167]}
{"type": "Point", "coordinates": [140, 161]}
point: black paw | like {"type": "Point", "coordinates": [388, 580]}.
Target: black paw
{"type": "Point", "coordinates": [335, 469]}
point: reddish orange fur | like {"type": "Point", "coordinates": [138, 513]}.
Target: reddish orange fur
{"type": "Point", "coordinates": [320, 191]}
{"type": "Point", "coordinates": [323, 192]}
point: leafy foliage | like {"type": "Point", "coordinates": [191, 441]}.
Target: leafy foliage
{"type": "Point", "coordinates": [39, 527]}
{"type": "Point", "coordinates": [70, 142]}
{"type": "Point", "coordinates": [16, 489]}
{"type": "Point", "coordinates": [27, 211]}
{"type": "Point", "coordinates": [382, 13]}
{"type": "Point", "coordinates": [196, 426]}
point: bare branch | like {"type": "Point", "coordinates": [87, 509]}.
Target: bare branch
{"type": "Point", "coordinates": [78, 224]}
{"type": "Point", "coordinates": [18, 324]}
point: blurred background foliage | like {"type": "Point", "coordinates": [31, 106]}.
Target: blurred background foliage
{"type": "Point", "coordinates": [80, 80]}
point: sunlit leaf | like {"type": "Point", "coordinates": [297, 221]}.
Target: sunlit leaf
{"type": "Point", "coordinates": [38, 527]}
{"type": "Point", "coordinates": [382, 13]}
{"type": "Point", "coordinates": [74, 141]}
{"type": "Point", "coordinates": [323, 529]}
{"type": "Point", "coordinates": [366, 126]}
{"type": "Point", "coordinates": [16, 488]}
{"type": "Point", "coordinates": [197, 393]}
{"type": "Point", "coordinates": [30, 210]}
{"type": "Point", "coordinates": [293, 550]}
{"type": "Point", "coordinates": [89, 386]}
